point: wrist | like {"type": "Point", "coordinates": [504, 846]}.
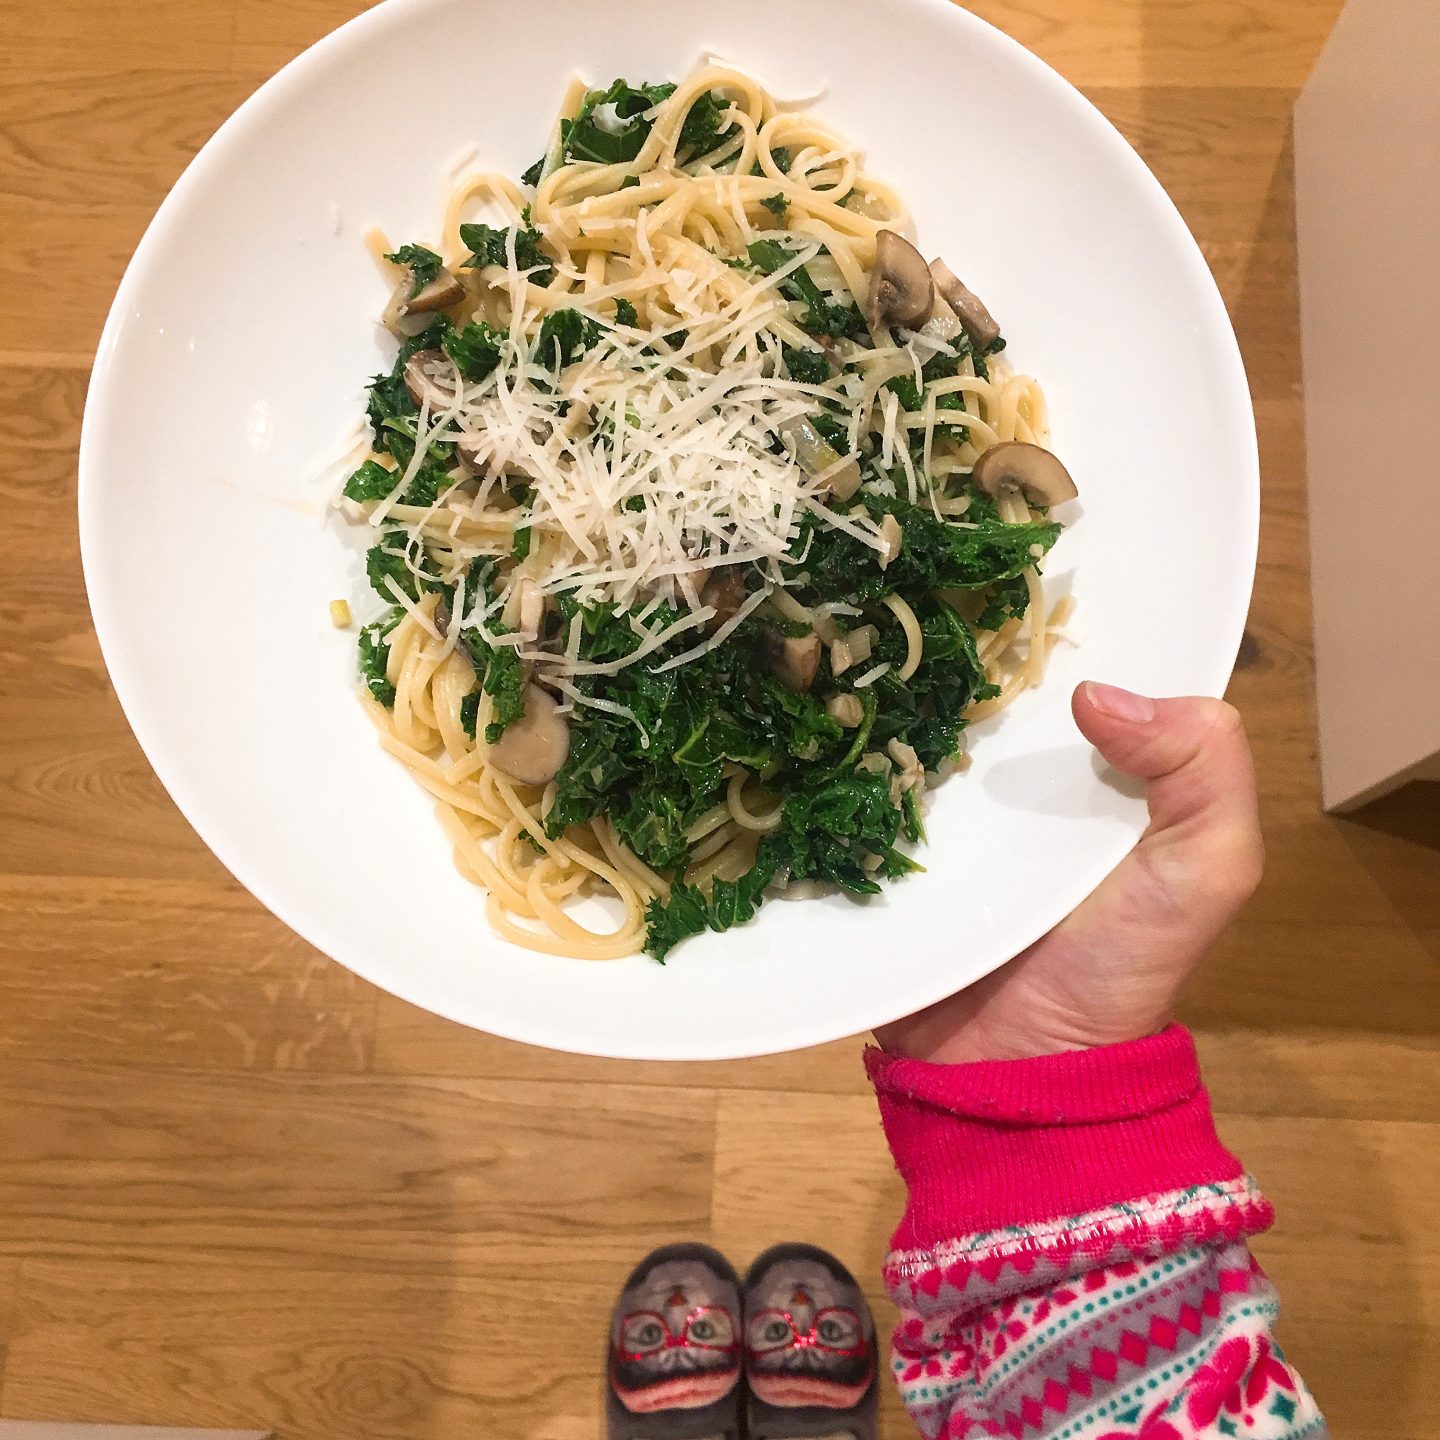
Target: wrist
{"type": "Point", "coordinates": [957, 1033]}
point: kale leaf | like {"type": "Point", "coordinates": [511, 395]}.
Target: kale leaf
{"type": "Point", "coordinates": [391, 410]}
{"type": "Point", "coordinates": [487, 245]}
{"type": "Point", "coordinates": [565, 335]}
{"type": "Point", "coordinates": [470, 713]}
{"type": "Point", "coordinates": [520, 545]}
{"type": "Point", "coordinates": [374, 652]}
{"type": "Point", "coordinates": [822, 316]}
{"type": "Point", "coordinates": [777, 205]}
{"type": "Point", "coordinates": [612, 125]}
{"type": "Point", "coordinates": [704, 127]}
{"type": "Point", "coordinates": [781, 156]}
{"type": "Point", "coordinates": [826, 833]}
{"type": "Point", "coordinates": [475, 349]}
{"type": "Point", "coordinates": [387, 560]}
{"type": "Point", "coordinates": [502, 677]}
{"type": "Point", "coordinates": [810, 367]}
{"type": "Point", "coordinates": [423, 265]}
{"type": "Point", "coordinates": [625, 313]}
{"type": "Point", "coordinates": [372, 481]}
{"type": "Point", "coordinates": [686, 911]}
{"type": "Point", "coordinates": [933, 554]}
{"type": "Point", "coordinates": [1009, 600]}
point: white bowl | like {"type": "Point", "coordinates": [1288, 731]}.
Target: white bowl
{"type": "Point", "coordinates": [232, 368]}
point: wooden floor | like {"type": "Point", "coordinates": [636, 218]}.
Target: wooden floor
{"type": "Point", "coordinates": [239, 1186]}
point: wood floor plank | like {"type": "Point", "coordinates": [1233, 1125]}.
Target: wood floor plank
{"type": "Point", "coordinates": [1322, 1074]}
{"type": "Point", "coordinates": [1148, 43]}
{"type": "Point", "coordinates": [1373, 1381]}
{"type": "Point", "coordinates": [1360, 1194]}
{"type": "Point", "coordinates": [190, 974]}
{"type": "Point", "coordinates": [79, 36]}
{"type": "Point", "coordinates": [497, 1178]}
{"type": "Point", "coordinates": [78, 798]}
{"type": "Point", "coordinates": [814, 1168]}
{"type": "Point", "coordinates": [1091, 42]}
{"type": "Point", "coordinates": [1285, 975]}
{"type": "Point", "coordinates": [410, 1041]}
{"type": "Point", "coordinates": [313, 1354]}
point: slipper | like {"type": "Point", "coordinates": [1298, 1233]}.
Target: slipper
{"type": "Point", "coordinates": [810, 1351]}
{"type": "Point", "coordinates": [674, 1360]}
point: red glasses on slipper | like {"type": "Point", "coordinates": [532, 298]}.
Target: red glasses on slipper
{"type": "Point", "coordinates": [838, 1330]}
{"type": "Point", "coordinates": [645, 1332]}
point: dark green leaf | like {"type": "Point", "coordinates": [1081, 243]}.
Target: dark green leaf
{"type": "Point", "coordinates": [386, 561]}
{"type": "Point", "coordinates": [390, 408]}
{"type": "Point", "coordinates": [810, 367]}
{"type": "Point", "coordinates": [933, 555]}
{"type": "Point", "coordinates": [475, 350]}
{"type": "Point", "coordinates": [823, 316]}
{"type": "Point", "coordinates": [423, 265]}
{"type": "Point", "coordinates": [488, 246]}
{"type": "Point", "coordinates": [617, 133]}
{"type": "Point", "coordinates": [470, 713]}
{"type": "Point", "coordinates": [704, 127]}
{"type": "Point", "coordinates": [520, 546]}
{"type": "Point", "coordinates": [565, 335]}
{"type": "Point", "coordinates": [374, 652]}
{"type": "Point", "coordinates": [371, 481]}
{"type": "Point", "coordinates": [502, 677]}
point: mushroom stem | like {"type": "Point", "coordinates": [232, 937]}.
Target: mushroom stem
{"type": "Point", "coordinates": [980, 325]}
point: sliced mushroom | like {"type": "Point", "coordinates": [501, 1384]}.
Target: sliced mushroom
{"type": "Point", "coordinates": [901, 288]}
{"type": "Point", "coordinates": [425, 387]}
{"type": "Point", "coordinates": [724, 592]}
{"type": "Point", "coordinates": [406, 314]}
{"type": "Point", "coordinates": [793, 661]}
{"type": "Point", "coordinates": [1016, 468]}
{"type": "Point", "coordinates": [439, 294]}
{"type": "Point", "coordinates": [470, 449]}
{"type": "Point", "coordinates": [845, 710]}
{"type": "Point", "coordinates": [534, 747]}
{"type": "Point", "coordinates": [980, 325]}
{"type": "Point", "coordinates": [891, 537]}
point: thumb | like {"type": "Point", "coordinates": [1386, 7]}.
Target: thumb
{"type": "Point", "coordinates": [1195, 760]}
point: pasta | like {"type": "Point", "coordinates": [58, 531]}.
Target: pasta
{"type": "Point", "coordinates": [706, 515]}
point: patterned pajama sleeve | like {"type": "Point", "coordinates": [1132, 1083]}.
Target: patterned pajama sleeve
{"type": "Point", "coordinates": [1072, 1262]}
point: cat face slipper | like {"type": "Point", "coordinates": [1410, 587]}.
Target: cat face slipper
{"type": "Point", "coordinates": [810, 1351]}
{"type": "Point", "coordinates": [675, 1352]}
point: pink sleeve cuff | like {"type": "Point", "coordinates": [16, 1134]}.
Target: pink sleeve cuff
{"type": "Point", "coordinates": [1011, 1142]}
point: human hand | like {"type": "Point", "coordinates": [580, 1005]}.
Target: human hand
{"type": "Point", "coordinates": [1114, 968]}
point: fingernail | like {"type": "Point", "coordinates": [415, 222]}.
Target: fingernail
{"type": "Point", "coordinates": [1120, 704]}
